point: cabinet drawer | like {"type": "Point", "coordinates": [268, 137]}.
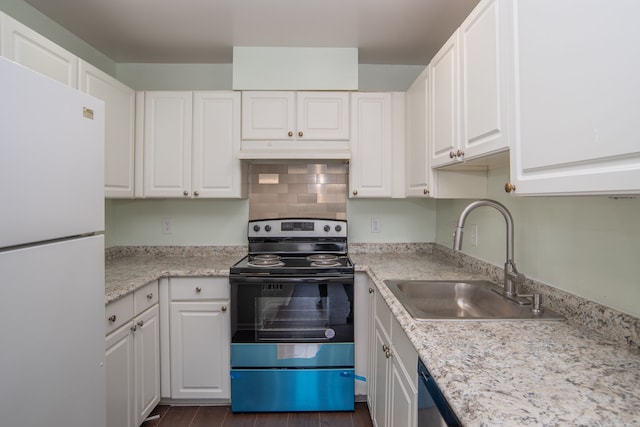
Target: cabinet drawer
{"type": "Point", "coordinates": [145, 297]}
{"type": "Point", "coordinates": [198, 288]}
{"type": "Point", "coordinates": [117, 313]}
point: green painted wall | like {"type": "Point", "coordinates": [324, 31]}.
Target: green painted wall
{"type": "Point", "coordinates": [588, 246]}
{"type": "Point", "coordinates": [224, 221]}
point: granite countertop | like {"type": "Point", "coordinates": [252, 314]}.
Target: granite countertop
{"type": "Point", "coordinates": [518, 373]}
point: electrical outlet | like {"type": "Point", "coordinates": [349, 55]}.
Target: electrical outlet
{"type": "Point", "coordinates": [375, 225]}
{"type": "Point", "coordinates": [474, 234]}
{"type": "Point", "coordinates": [167, 226]}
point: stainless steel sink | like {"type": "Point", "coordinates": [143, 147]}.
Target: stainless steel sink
{"type": "Point", "coordinates": [461, 300]}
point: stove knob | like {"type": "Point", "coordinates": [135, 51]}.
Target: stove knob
{"type": "Point", "coordinates": [338, 228]}
{"type": "Point", "coordinates": [267, 228]}
{"type": "Point", "coordinates": [327, 228]}
{"type": "Point", "coordinates": [256, 228]}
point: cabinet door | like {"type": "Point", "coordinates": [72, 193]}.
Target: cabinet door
{"type": "Point", "coordinates": [147, 363]}
{"type": "Point", "coordinates": [444, 100]}
{"type": "Point", "coordinates": [119, 128]}
{"type": "Point", "coordinates": [322, 115]}
{"type": "Point", "coordinates": [120, 377]}
{"type": "Point", "coordinates": [217, 170]}
{"type": "Point", "coordinates": [381, 341]}
{"type": "Point", "coordinates": [403, 398]}
{"type": "Point", "coordinates": [371, 145]}
{"type": "Point", "coordinates": [417, 154]}
{"type": "Point", "coordinates": [23, 45]}
{"type": "Point", "coordinates": [577, 108]}
{"type": "Point", "coordinates": [484, 73]}
{"type": "Point", "coordinates": [167, 144]}
{"type": "Point", "coordinates": [200, 346]}
{"type": "Point", "coordinates": [268, 115]}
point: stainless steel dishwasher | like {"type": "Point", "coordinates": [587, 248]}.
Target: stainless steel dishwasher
{"type": "Point", "coordinates": [433, 409]}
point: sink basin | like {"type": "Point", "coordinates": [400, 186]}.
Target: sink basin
{"type": "Point", "coordinates": [461, 300]}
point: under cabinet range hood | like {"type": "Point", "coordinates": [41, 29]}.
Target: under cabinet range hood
{"type": "Point", "coordinates": [295, 68]}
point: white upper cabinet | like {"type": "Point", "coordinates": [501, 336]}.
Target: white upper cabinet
{"type": "Point", "coordinates": [23, 45]}
{"type": "Point", "coordinates": [217, 170]}
{"type": "Point", "coordinates": [445, 103]}
{"type": "Point", "coordinates": [470, 98]}
{"type": "Point", "coordinates": [280, 124]}
{"type": "Point", "coordinates": [167, 144]}
{"type": "Point", "coordinates": [191, 145]}
{"type": "Point", "coordinates": [377, 145]}
{"type": "Point", "coordinates": [268, 115]}
{"type": "Point", "coordinates": [417, 147]}
{"type": "Point", "coordinates": [484, 72]}
{"type": "Point", "coordinates": [120, 103]}
{"type": "Point", "coordinates": [577, 98]}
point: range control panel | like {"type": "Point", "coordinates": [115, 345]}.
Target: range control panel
{"type": "Point", "coordinates": [297, 227]}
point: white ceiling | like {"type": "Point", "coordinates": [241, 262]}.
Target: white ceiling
{"type": "Point", "coordinates": [204, 31]}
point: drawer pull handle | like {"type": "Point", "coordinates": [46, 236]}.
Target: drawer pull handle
{"type": "Point", "coordinates": [112, 318]}
{"type": "Point", "coordinates": [150, 296]}
{"type": "Point", "coordinates": [198, 289]}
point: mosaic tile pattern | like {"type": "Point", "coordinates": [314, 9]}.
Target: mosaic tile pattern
{"type": "Point", "coordinates": [297, 190]}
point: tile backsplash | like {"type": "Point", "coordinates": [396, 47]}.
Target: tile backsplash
{"type": "Point", "coordinates": [297, 190]}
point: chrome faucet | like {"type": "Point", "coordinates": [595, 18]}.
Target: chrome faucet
{"type": "Point", "coordinates": [511, 275]}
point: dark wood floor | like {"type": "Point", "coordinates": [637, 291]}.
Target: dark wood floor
{"type": "Point", "coordinates": [221, 416]}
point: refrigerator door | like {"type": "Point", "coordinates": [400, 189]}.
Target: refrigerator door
{"type": "Point", "coordinates": [51, 158]}
{"type": "Point", "coordinates": [52, 333]}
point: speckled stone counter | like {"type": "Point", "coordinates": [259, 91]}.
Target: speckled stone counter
{"type": "Point", "coordinates": [520, 373]}
{"type": "Point", "coordinates": [132, 268]}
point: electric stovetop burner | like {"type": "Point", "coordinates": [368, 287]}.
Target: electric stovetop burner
{"type": "Point", "coordinates": [324, 260]}
{"type": "Point", "coordinates": [265, 260]}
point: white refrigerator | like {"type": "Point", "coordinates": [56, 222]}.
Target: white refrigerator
{"type": "Point", "coordinates": [51, 253]}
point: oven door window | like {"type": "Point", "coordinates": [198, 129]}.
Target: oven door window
{"type": "Point", "coordinates": [293, 312]}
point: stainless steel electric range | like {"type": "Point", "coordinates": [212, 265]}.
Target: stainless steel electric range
{"type": "Point", "coordinates": [292, 328]}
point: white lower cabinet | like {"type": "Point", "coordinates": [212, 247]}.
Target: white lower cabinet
{"type": "Point", "coordinates": [132, 357]}
{"type": "Point", "coordinates": [393, 377]}
{"type": "Point", "coordinates": [199, 331]}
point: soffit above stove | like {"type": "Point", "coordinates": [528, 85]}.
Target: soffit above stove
{"type": "Point", "coordinates": [295, 68]}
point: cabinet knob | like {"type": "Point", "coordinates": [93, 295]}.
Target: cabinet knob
{"type": "Point", "coordinates": [459, 153]}
{"type": "Point", "coordinates": [185, 193]}
{"type": "Point", "coordinates": [198, 289]}
{"type": "Point", "coordinates": [388, 354]}
{"type": "Point", "coordinates": [133, 328]}
{"type": "Point", "coordinates": [355, 192]}
{"type": "Point", "coordinates": [509, 187]}
{"type": "Point", "coordinates": [452, 154]}
{"type": "Point", "coordinates": [425, 191]}
{"type": "Point", "coordinates": [223, 308]}
{"type": "Point", "coordinates": [290, 133]}
{"type": "Point", "coordinates": [112, 318]}
{"type": "Point", "coordinates": [300, 133]}
{"type": "Point", "coordinates": [150, 295]}
{"type": "Point", "coordinates": [371, 290]}
{"type": "Point", "coordinates": [140, 323]}
{"type": "Point", "coordinates": [196, 193]}
{"type": "Point", "coordinates": [385, 348]}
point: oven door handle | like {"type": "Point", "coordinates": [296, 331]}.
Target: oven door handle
{"type": "Point", "coordinates": [241, 279]}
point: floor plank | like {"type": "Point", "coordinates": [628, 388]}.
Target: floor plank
{"type": "Point", "coordinates": [221, 416]}
{"type": "Point", "coordinates": [178, 416]}
{"type": "Point", "coordinates": [210, 416]}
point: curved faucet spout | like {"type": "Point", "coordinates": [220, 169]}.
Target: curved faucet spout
{"type": "Point", "coordinates": [511, 275]}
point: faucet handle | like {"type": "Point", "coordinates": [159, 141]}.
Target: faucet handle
{"type": "Point", "coordinates": [536, 302]}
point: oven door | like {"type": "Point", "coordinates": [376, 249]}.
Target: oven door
{"type": "Point", "coordinates": [292, 310]}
